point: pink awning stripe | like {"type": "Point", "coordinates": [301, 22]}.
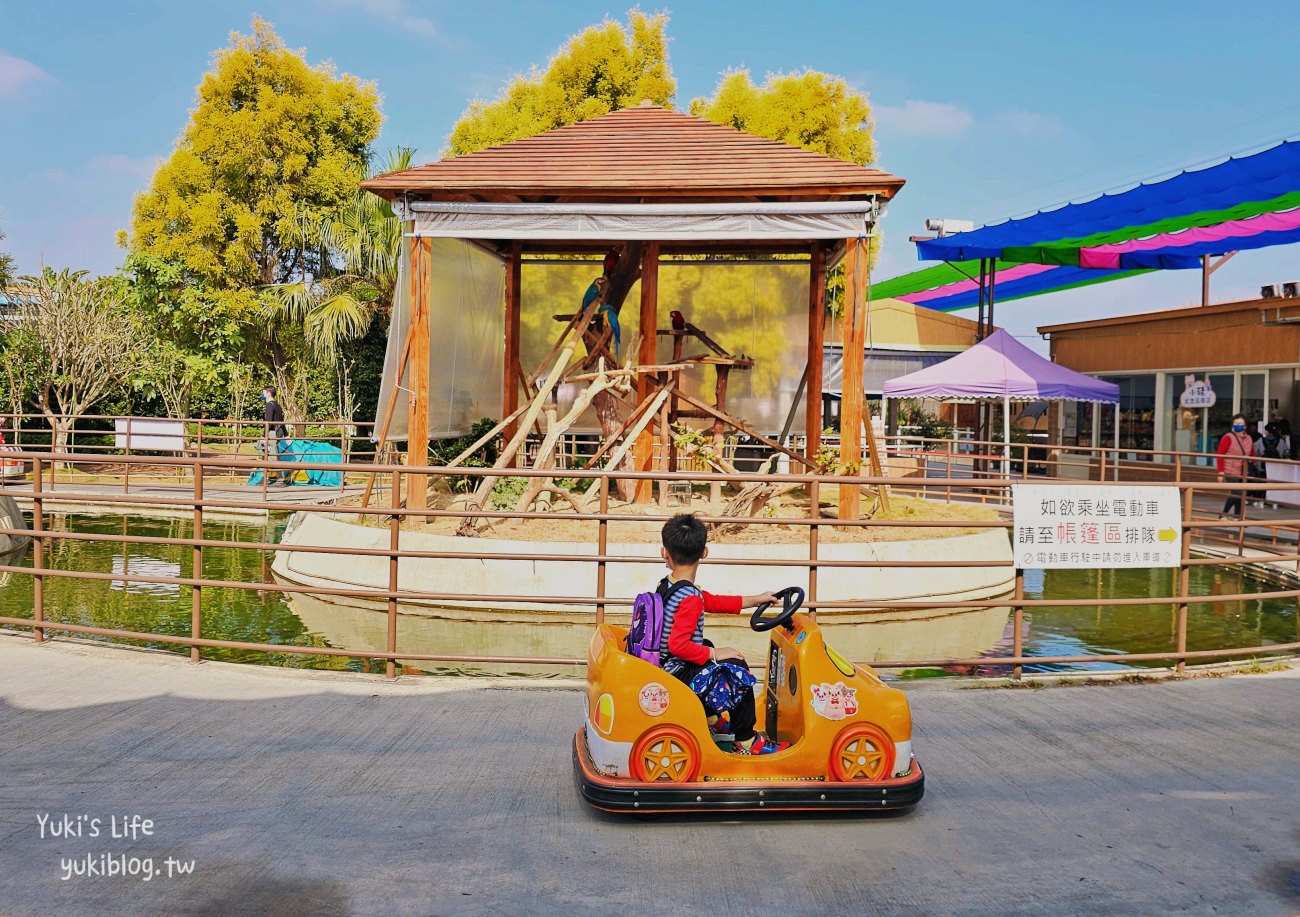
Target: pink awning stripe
{"type": "Point", "coordinates": [961, 286]}
{"type": "Point", "coordinates": [1107, 256]}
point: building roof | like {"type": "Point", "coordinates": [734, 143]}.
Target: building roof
{"type": "Point", "coordinates": [646, 153]}
{"type": "Point", "coordinates": [1286, 304]}
{"type": "Point", "coordinates": [899, 325]}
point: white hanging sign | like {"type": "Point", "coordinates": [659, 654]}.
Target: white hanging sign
{"type": "Point", "coordinates": [1075, 526]}
{"type": "Point", "coordinates": [1197, 393]}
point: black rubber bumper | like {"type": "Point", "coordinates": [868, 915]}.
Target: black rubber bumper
{"type": "Point", "coordinates": [614, 794]}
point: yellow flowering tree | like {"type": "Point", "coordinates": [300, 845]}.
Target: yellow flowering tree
{"type": "Point", "coordinates": [602, 69]}
{"type": "Point", "coordinates": [271, 140]}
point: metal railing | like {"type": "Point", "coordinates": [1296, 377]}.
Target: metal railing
{"type": "Point", "coordinates": [200, 500]}
{"type": "Point", "coordinates": [98, 443]}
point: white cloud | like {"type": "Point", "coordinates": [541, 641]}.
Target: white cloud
{"type": "Point", "coordinates": [16, 73]}
{"type": "Point", "coordinates": [923, 119]}
{"type": "Point", "coordinates": [1030, 124]}
{"type": "Point", "coordinates": [394, 12]}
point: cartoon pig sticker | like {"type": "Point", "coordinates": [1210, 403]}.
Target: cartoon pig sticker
{"type": "Point", "coordinates": [653, 699]}
{"type": "Point", "coordinates": [834, 702]}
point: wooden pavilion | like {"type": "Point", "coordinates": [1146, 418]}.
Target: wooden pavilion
{"type": "Point", "coordinates": [672, 184]}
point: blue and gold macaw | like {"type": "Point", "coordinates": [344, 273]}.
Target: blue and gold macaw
{"type": "Point", "coordinates": [606, 311]}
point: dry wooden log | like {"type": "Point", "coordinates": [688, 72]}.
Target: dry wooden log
{"type": "Point", "coordinates": [467, 526]}
{"type": "Point", "coordinates": [546, 452]}
{"type": "Point", "coordinates": [630, 436]}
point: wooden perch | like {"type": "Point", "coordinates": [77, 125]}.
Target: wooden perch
{"type": "Point", "coordinates": [743, 427]}
{"type": "Point", "coordinates": [631, 371]}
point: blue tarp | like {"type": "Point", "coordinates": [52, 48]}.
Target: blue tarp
{"type": "Point", "coordinates": [304, 450]}
{"type": "Point", "coordinates": [1205, 197]}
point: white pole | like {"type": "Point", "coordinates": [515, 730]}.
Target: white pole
{"type": "Point", "coordinates": [1116, 472]}
{"type": "Point", "coordinates": [1006, 436]}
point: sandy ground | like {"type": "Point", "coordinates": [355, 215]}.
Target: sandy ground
{"type": "Point", "coordinates": [766, 528]}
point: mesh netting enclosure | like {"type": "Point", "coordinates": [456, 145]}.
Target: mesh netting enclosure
{"type": "Point", "coordinates": [755, 309]}
{"type": "Point", "coordinates": [466, 299]}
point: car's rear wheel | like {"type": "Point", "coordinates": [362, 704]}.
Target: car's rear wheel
{"type": "Point", "coordinates": [863, 751]}
{"type": "Point", "coordinates": [666, 753]}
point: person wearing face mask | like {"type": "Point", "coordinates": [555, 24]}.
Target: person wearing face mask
{"type": "Point", "coordinates": [1234, 449]}
{"type": "Point", "coordinates": [276, 433]}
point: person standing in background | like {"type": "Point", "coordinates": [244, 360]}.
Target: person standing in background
{"type": "Point", "coordinates": [1235, 450]}
{"type": "Point", "coordinates": [1284, 433]}
{"type": "Point", "coordinates": [276, 435]}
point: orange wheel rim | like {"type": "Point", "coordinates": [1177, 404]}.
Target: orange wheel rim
{"type": "Point", "coordinates": [665, 753]}
{"type": "Point", "coordinates": [862, 752]}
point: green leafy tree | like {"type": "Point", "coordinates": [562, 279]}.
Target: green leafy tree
{"type": "Point", "coordinates": [602, 69]}
{"type": "Point", "coordinates": [271, 141]}
{"type": "Point", "coordinates": [809, 109]}
{"type": "Point", "coordinates": [360, 245]}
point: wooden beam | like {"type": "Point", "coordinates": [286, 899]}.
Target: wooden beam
{"type": "Point", "coordinates": [816, 351]}
{"type": "Point", "coordinates": [877, 467]}
{"type": "Point", "coordinates": [719, 426]}
{"type": "Point", "coordinates": [702, 247]}
{"type": "Point", "coordinates": [511, 382]}
{"type": "Point", "coordinates": [644, 452]}
{"type": "Point", "coordinates": [417, 437]}
{"type": "Point", "coordinates": [852, 395]}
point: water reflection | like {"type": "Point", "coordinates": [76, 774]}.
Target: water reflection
{"type": "Point", "coordinates": [1104, 628]}
{"type": "Point", "coordinates": [144, 565]}
{"type": "Point", "coordinates": [257, 615]}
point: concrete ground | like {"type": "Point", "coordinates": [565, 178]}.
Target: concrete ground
{"type": "Point", "coordinates": [91, 497]}
{"type": "Point", "coordinates": [304, 793]}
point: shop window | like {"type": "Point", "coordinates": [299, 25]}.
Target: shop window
{"type": "Point", "coordinates": [1137, 415]}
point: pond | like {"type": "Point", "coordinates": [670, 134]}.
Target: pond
{"type": "Point", "coordinates": [262, 616]}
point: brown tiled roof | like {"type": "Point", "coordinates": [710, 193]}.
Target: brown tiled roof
{"type": "Point", "coordinates": [643, 152]}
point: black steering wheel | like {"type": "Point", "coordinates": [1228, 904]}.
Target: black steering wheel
{"type": "Point", "coordinates": [791, 601]}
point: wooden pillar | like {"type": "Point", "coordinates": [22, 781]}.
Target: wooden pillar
{"type": "Point", "coordinates": [644, 452]}
{"type": "Point", "coordinates": [417, 436]}
{"type": "Point", "coordinates": [852, 397]}
{"type": "Point", "coordinates": [510, 381]}
{"type": "Point", "coordinates": [816, 351]}
{"type": "Point", "coordinates": [719, 428]}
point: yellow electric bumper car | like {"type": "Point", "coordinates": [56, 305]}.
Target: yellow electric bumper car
{"type": "Point", "coordinates": [646, 745]}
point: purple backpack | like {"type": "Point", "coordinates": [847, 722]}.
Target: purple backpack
{"type": "Point", "coordinates": [645, 638]}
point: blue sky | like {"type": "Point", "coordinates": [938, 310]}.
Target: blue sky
{"type": "Point", "coordinates": [988, 109]}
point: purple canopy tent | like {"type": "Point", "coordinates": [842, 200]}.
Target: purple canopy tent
{"type": "Point", "coordinates": [1000, 367]}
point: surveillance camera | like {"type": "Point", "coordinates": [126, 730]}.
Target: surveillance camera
{"type": "Point", "coordinates": [948, 227]}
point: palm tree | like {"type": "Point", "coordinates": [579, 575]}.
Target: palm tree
{"type": "Point", "coordinates": [359, 244]}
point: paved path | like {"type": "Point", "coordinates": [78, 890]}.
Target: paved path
{"type": "Point", "coordinates": [303, 793]}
